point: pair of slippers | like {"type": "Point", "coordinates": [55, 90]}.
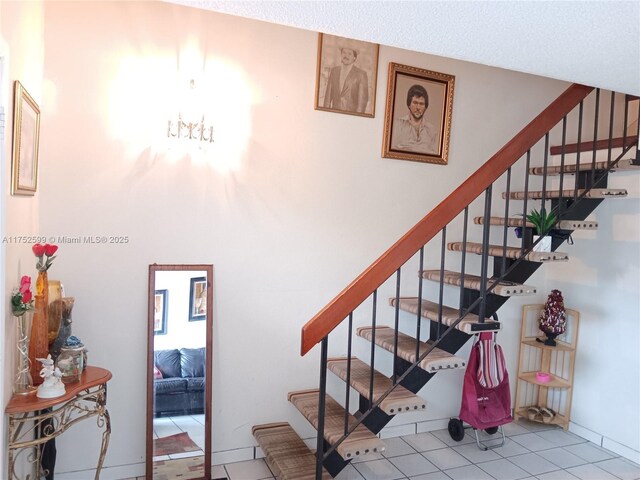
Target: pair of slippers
{"type": "Point", "coordinates": [540, 414]}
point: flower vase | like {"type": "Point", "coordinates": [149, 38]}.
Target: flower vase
{"type": "Point", "coordinates": [39, 342]}
{"type": "Point", "coordinates": [544, 245]}
{"type": "Point", "coordinates": [23, 383]}
{"type": "Point", "coordinates": [551, 339]}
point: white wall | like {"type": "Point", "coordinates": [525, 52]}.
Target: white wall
{"type": "Point", "coordinates": [181, 333]}
{"type": "Point", "coordinates": [289, 204]}
{"type": "Point", "coordinates": [602, 284]}
{"type": "Point", "coordinates": [22, 57]}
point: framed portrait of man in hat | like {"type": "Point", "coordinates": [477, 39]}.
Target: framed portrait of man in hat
{"type": "Point", "coordinates": [346, 76]}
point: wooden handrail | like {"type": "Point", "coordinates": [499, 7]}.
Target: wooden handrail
{"type": "Point", "coordinates": [375, 275]}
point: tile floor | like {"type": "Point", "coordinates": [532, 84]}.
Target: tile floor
{"type": "Point", "coordinates": [531, 451]}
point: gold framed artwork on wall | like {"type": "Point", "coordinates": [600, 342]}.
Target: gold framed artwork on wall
{"type": "Point", "coordinates": [26, 136]}
{"type": "Point", "coordinates": [417, 121]}
{"type": "Point", "coordinates": [346, 75]}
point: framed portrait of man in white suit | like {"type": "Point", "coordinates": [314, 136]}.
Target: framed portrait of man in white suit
{"type": "Point", "coordinates": [418, 113]}
{"type": "Point", "coordinates": [346, 75]}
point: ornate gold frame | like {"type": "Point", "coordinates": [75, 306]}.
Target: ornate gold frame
{"type": "Point", "coordinates": [439, 86]}
{"type": "Point", "coordinates": [26, 138]}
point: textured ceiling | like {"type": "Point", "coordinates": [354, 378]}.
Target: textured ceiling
{"type": "Point", "coordinates": [592, 42]}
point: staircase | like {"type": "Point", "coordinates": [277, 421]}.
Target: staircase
{"type": "Point", "coordinates": [570, 188]}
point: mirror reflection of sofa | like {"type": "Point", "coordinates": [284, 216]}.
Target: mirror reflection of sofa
{"type": "Point", "coordinates": [179, 381]}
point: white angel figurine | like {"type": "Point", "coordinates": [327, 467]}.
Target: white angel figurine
{"type": "Point", "coordinates": [52, 386]}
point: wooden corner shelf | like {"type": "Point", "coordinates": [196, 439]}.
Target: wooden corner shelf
{"type": "Point", "coordinates": [558, 362]}
{"type": "Point", "coordinates": [554, 382]}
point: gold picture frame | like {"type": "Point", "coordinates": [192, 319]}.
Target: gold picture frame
{"type": "Point", "coordinates": [355, 93]}
{"type": "Point", "coordinates": [26, 137]}
{"type": "Point", "coordinates": [417, 122]}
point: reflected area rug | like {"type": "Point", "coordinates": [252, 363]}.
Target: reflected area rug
{"type": "Point", "coordinates": [191, 468]}
{"type": "Point", "coordinates": [182, 468]}
{"type": "Point", "coordinates": [178, 443]}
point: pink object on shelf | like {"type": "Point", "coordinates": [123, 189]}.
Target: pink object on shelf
{"type": "Point", "coordinates": [543, 377]}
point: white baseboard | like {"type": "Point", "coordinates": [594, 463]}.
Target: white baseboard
{"type": "Point", "coordinates": [622, 450]}
{"type": "Point", "coordinates": [107, 473]}
{"type": "Point", "coordinates": [250, 453]}
{"type": "Point", "coordinates": [585, 433]}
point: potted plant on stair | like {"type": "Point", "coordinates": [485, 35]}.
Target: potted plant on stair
{"type": "Point", "coordinates": [542, 222]}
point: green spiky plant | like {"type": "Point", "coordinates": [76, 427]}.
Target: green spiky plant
{"type": "Point", "coordinates": [542, 221]}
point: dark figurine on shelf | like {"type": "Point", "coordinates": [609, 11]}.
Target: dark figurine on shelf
{"type": "Point", "coordinates": [553, 320]}
{"type": "Point", "coordinates": [65, 326]}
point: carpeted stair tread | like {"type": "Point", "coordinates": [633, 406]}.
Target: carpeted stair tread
{"type": "Point", "coordinates": [569, 193]}
{"type": "Point", "coordinates": [510, 252]}
{"type": "Point", "coordinates": [360, 442]}
{"type": "Point", "coordinates": [504, 288]}
{"type": "Point", "coordinates": [469, 324]}
{"type": "Point", "coordinates": [435, 361]}
{"type": "Point", "coordinates": [400, 400]}
{"type": "Point", "coordinates": [287, 455]}
{"type": "Point", "coordinates": [561, 225]}
{"type": "Point", "coordinates": [622, 165]}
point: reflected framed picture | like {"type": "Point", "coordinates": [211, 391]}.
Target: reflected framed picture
{"type": "Point", "coordinates": [198, 299]}
{"type": "Point", "coordinates": [346, 75]}
{"type": "Point", "coordinates": [160, 303]}
{"type": "Point", "coordinates": [26, 137]}
{"type": "Point", "coordinates": [417, 120]}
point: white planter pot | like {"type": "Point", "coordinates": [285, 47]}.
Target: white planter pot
{"type": "Point", "coordinates": [544, 245]}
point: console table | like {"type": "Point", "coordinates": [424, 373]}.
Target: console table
{"type": "Point", "coordinates": [34, 421]}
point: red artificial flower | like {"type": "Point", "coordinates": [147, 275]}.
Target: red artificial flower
{"type": "Point", "coordinates": [38, 249]}
{"type": "Point", "coordinates": [25, 283]}
{"type": "Point", "coordinates": [49, 250]}
{"type": "Point", "coordinates": [26, 296]}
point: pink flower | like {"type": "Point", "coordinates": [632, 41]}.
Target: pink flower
{"type": "Point", "coordinates": [26, 296]}
{"type": "Point", "coordinates": [40, 251]}
{"type": "Point", "coordinates": [25, 283]}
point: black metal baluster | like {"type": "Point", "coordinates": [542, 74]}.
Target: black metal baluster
{"type": "Point", "coordinates": [581, 110]}
{"type": "Point", "coordinates": [625, 125]}
{"type": "Point", "coordinates": [485, 254]}
{"type": "Point", "coordinates": [526, 195]}
{"type": "Point", "coordinates": [348, 387]}
{"type": "Point", "coordinates": [544, 177]}
{"type": "Point", "coordinates": [562, 155]}
{"type": "Point", "coordinates": [464, 258]}
{"type": "Point", "coordinates": [419, 316]}
{"type": "Point", "coordinates": [595, 138]}
{"type": "Point", "coordinates": [440, 297]}
{"type": "Point", "coordinates": [373, 345]}
{"type": "Point", "coordinates": [506, 225]}
{"type": "Point", "coordinates": [321, 405]}
{"type": "Point", "coordinates": [636, 160]}
{"type": "Point", "coordinates": [611, 122]}
{"type": "Point", "coordinates": [397, 325]}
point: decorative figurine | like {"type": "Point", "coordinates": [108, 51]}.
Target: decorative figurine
{"type": "Point", "coordinates": [52, 386]}
{"type": "Point", "coordinates": [64, 307]}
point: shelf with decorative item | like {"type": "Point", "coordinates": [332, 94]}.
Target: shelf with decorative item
{"type": "Point", "coordinates": [560, 345]}
{"type": "Point", "coordinates": [554, 382]}
{"type": "Point", "coordinates": [558, 419]}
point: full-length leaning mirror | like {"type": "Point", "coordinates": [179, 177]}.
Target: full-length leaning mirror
{"type": "Point", "coordinates": [179, 364]}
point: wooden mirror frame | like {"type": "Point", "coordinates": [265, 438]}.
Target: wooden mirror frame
{"type": "Point", "coordinates": [208, 366]}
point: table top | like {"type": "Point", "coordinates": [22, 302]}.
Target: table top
{"type": "Point", "coordinates": [91, 377]}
